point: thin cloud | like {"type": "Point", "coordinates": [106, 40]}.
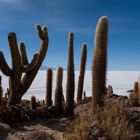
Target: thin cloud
{"type": "Point", "coordinates": [13, 4]}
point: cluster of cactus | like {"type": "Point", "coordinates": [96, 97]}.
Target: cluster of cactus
{"type": "Point", "coordinates": [18, 83]}
{"type": "Point", "coordinates": [59, 98]}
{"type": "Point", "coordinates": [134, 97]}
{"type": "Point", "coordinates": [100, 63]}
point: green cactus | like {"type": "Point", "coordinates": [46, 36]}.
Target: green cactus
{"type": "Point", "coordinates": [100, 63]}
{"type": "Point", "coordinates": [82, 72]}
{"type": "Point", "coordinates": [33, 104]}
{"type": "Point", "coordinates": [1, 91]}
{"type": "Point", "coordinates": [49, 88]}
{"type": "Point", "coordinates": [59, 90]}
{"type": "Point", "coordinates": [70, 77]}
{"type": "Point", "coordinates": [18, 83]}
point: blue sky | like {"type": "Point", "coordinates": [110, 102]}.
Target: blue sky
{"type": "Point", "coordinates": [80, 17]}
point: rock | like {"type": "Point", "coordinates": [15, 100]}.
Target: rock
{"type": "Point", "coordinates": [63, 120]}
{"type": "Point", "coordinates": [4, 131]}
{"type": "Point", "coordinates": [31, 135]}
{"type": "Point", "coordinates": [103, 138]}
{"type": "Point", "coordinates": [96, 133]}
{"type": "Point", "coordinates": [132, 114]}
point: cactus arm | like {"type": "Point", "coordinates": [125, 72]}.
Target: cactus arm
{"type": "Point", "coordinates": [29, 77]}
{"type": "Point", "coordinates": [43, 34]}
{"type": "Point", "coordinates": [4, 66]}
{"type": "Point", "coordinates": [24, 59]}
{"type": "Point", "coordinates": [31, 66]}
{"type": "Point", "coordinates": [15, 55]}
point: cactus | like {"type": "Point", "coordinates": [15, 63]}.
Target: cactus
{"type": "Point", "coordinates": [134, 97]}
{"type": "Point", "coordinates": [18, 83]}
{"type": "Point", "coordinates": [136, 87]}
{"type": "Point", "coordinates": [33, 103]}
{"type": "Point", "coordinates": [70, 78]}
{"type": "Point", "coordinates": [1, 91]}
{"type": "Point", "coordinates": [49, 88]}
{"type": "Point", "coordinates": [59, 90]}
{"type": "Point", "coordinates": [100, 63]}
{"type": "Point", "coordinates": [82, 72]}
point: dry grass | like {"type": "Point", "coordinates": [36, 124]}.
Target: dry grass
{"type": "Point", "coordinates": [111, 119]}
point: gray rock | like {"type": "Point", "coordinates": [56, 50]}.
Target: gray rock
{"type": "Point", "coordinates": [4, 131]}
{"type": "Point", "coordinates": [103, 138]}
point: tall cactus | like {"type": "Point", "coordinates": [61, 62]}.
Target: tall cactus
{"type": "Point", "coordinates": [100, 63]}
{"type": "Point", "coordinates": [59, 90]}
{"type": "Point", "coordinates": [70, 77]}
{"type": "Point", "coordinates": [19, 83]}
{"type": "Point", "coordinates": [1, 91]}
{"type": "Point", "coordinates": [49, 88]}
{"type": "Point", "coordinates": [82, 72]}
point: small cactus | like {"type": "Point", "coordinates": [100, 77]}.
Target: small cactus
{"type": "Point", "coordinates": [49, 88]}
{"type": "Point", "coordinates": [100, 63]}
{"type": "Point", "coordinates": [1, 91]}
{"type": "Point", "coordinates": [59, 90]}
{"type": "Point", "coordinates": [33, 104]}
{"type": "Point", "coordinates": [134, 97]}
{"type": "Point", "coordinates": [82, 72]}
{"type": "Point", "coordinates": [70, 77]}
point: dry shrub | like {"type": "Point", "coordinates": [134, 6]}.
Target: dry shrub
{"type": "Point", "coordinates": [111, 119]}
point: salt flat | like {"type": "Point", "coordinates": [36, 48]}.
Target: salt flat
{"type": "Point", "coordinates": [120, 80]}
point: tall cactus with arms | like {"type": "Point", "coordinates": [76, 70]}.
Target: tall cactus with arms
{"type": "Point", "coordinates": [18, 83]}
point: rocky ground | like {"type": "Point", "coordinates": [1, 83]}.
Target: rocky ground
{"type": "Point", "coordinates": [53, 129]}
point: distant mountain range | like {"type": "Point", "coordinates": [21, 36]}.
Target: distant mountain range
{"type": "Point", "coordinates": [43, 67]}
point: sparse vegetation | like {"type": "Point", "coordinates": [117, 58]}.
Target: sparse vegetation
{"type": "Point", "coordinates": [109, 119]}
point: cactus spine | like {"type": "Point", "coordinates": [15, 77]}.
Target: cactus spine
{"type": "Point", "coordinates": [1, 91]}
{"type": "Point", "coordinates": [18, 84]}
{"type": "Point", "coordinates": [33, 103]}
{"type": "Point", "coordinates": [70, 77]}
{"type": "Point", "coordinates": [100, 63]}
{"type": "Point", "coordinates": [59, 90]}
{"type": "Point", "coordinates": [49, 88]}
{"type": "Point", "coordinates": [82, 72]}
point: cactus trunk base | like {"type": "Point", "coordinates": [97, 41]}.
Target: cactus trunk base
{"type": "Point", "coordinates": [14, 99]}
